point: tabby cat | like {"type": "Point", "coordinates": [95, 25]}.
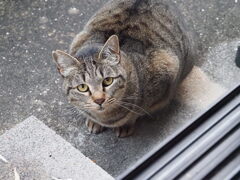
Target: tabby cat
{"type": "Point", "coordinates": [126, 62]}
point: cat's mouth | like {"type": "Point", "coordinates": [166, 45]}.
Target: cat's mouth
{"type": "Point", "coordinates": [103, 108]}
{"type": "Point", "coordinates": [100, 109]}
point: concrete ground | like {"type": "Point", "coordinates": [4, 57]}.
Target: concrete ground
{"type": "Point", "coordinates": [36, 152]}
{"type": "Point", "coordinates": [30, 84]}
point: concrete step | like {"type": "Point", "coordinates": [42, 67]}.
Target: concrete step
{"type": "Point", "coordinates": [37, 152]}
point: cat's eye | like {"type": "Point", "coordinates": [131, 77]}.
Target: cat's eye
{"type": "Point", "coordinates": [107, 81]}
{"type": "Point", "coordinates": [83, 88]}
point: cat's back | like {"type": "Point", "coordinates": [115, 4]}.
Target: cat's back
{"type": "Point", "coordinates": [151, 22]}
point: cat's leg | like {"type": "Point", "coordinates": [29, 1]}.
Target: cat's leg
{"type": "Point", "coordinates": [125, 131]}
{"type": "Point", "coordinates": [93, 127]}
{"type": "Point", "coordinates": [128, 128]}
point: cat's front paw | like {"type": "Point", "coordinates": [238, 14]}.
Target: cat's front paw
{"type": "Point", "coordinates": [124, 131]}
{"type": "Point", "coordinates": [93, 127]}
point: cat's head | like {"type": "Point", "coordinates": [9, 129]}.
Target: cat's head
{"type": "Point", "coordinates": [95, 79]}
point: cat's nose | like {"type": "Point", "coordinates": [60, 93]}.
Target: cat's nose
{"type": "Point", "coordinates": [99, 101]}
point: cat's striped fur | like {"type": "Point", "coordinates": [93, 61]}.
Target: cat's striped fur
{"type": "Point", "coordinates": [156, 53]}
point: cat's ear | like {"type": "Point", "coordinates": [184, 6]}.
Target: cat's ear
{"type": "Point", "coordinates": [111, 51]}
{"type": "Point", "coordinates": [66, 64]}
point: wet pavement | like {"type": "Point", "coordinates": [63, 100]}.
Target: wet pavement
{"type": "Point", "coordinates": [30, 84]}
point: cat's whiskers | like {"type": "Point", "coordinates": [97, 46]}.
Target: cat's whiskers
{"type": "Point", "coordinates": [86, 114]}
{"type": "Point", "coordinates": [140, 108]}
{"type": "Point", "coordinates": [111, 100]}
{"type": "Point", "coordinates": [73, 111]}
{"type": "Point", "coordinates": [134, 98]}
{"type": "Point", "coordinates": [87, 105]}
{"type": "Point", "coordinates": [128, 109]}
{"type": "Point", "coordinates": [79, 113]}
{"type": "Point", "coordinates": [123, 104]}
